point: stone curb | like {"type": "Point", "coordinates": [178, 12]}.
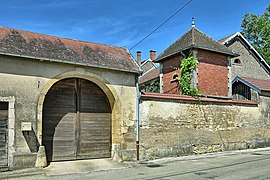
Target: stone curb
{"type": "Point", "coordinates": [21, 173]}
{"type": "Point", "coordinates": [202, 156]}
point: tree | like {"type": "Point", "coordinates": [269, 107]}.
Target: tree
{"type": "Point", "coordinates": [256, 29]}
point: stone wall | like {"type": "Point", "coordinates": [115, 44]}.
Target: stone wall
{"type": "Point", "coordinates": [180, 125]}
{"type": "Point", "coordinates": [263, 100]}
{"type": "Point", "coordinates": [249, 65]}
{"type": "Point", "coordinates": [26, 82]}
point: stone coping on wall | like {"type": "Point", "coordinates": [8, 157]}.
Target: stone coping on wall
{"type": "Point", "coordinates": [147, 95]}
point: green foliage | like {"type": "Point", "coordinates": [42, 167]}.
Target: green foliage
{"type": "Point", "coordinates": [256, 29]}
{"type": "Point", "coordinates": [187, 66]}
{"type": "Point", "coordinates": [152, 86]}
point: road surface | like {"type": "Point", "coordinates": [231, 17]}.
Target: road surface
{"type": "Point", "coordinates": [252, 165]}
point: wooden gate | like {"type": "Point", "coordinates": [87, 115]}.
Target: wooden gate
{"type": "Point", "coordinates": [3, 134]}
{"type": "Point", "coordinates": [76, 121]}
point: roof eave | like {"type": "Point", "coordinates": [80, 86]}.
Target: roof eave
{"type": "Point", "coordinates": [230, 38]}
{"type": "Point", "coordinates": [70, 62]}
{"type": "Point", "coordinates": [255, 88]}
{"type": "Point", "coordinates": [140, 71]}
{"type": "Point", "coordinates": [173, 54]}
{"type": "Point", "coordinates": [222, 52]}
{"type": "Point", "coordinates": [148, 60]}
{"type": "Point", "coordinates": [198, 47]}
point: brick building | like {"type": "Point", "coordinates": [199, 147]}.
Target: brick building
{"type": "Point", "coordinates": [212, 75]}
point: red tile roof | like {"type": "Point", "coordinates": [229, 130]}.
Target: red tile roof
{"type": "Point", "coordinates": [39, 46]}
{"type": "Point", "coordinates": [152, 74]}
{"type": "Point", "coordinates": [148, 95]}
{"type": "Point", "coordinates": [263, 85]}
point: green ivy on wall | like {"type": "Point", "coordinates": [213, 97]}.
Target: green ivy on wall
{"type": "Point", "coordinates": [152, 86]}
{"type": "Point", "coordinates": [188, 64]}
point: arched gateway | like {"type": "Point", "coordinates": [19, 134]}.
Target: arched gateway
{"type": "Point", "coordinates": [76, 121]}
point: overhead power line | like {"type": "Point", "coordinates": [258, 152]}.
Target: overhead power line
{"type": "Point", "coordinates": [161, 25]}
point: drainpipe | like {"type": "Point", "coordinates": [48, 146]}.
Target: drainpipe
{"type": "Point", "coordinates": [137, 117]}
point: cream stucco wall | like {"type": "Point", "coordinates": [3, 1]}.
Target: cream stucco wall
{"type": "Point", "coordinates": [29, 80]}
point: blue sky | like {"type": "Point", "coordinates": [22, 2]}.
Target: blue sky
{"type": "Point", "coordinates": [126, 22]}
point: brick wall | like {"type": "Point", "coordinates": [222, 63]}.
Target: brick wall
{"type": "Point", "coordinates": [180, 125]}
{"type": "Point", "coordinates": [170, 68]}
{"type": "Point", "coordinates": [212, 73]}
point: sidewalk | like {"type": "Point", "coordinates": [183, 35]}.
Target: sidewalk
{"type": "Point", "coordinates": [208, 155]}
{"type": "Point", "coordinates": [21, 173]}
{"type": "Point", "coordinates": [94, 165]}
{"type": "Point", "coordinates": [68, 167]}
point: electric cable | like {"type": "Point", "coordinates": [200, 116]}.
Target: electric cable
{"type": "Point", "coordinates": [160, 25]}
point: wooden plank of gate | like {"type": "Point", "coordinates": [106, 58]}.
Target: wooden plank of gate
{"type": "Point", "coordinates": [95, 135]}
{"type": "Point", "coordinates": [60, 121]}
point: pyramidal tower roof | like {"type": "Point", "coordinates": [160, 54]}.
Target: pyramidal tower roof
{"type": "Point", "coordinates": [194, 38]}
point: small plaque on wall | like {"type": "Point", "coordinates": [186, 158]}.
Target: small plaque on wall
{"type": "Point", "coordinates": [26, 126]}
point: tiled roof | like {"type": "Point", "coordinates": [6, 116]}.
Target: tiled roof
{"type": "Point", "coordinates": [151, 74]}
{"type": "Point", "coordinates": [262, 85]}
{"type": "Point", "coordinates": [225, 38]}
{"type": "Point", "coordinates": [194, 39]}
{"type": "Point", "coordinates": [38, 46]}
{"type": "Point", "coordinates": [149, 95]}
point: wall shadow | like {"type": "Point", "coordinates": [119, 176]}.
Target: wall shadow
{"type": "Point", "coordinates": [31, 140]}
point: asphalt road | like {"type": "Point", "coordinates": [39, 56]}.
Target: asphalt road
{"type": "Point", "coordinates": [252, 165]}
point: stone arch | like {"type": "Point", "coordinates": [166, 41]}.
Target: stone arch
{"type": "Point", "coordinates": [102, 83]}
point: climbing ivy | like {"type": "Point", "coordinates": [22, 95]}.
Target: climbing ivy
{"type": "Point", "coordinates": [153, 86]}
{"type": "Point", "coordinates": [188, 64]}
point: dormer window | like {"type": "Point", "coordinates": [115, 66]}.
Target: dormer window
{"type": "Point", "coordinates": [237, 62]}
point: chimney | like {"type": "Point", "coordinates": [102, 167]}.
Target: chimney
{"type": "Point", "coordinates": [152, 55]}
{"type": "Point", "coordinates": [139, 57]}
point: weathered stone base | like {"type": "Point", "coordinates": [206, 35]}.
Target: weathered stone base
{"type": "Point", "coordinates": [178, 128]}
{"type": "Point", "coordinates": [41, 157]}
{"type": "Point", "coordinates": [183, 141]}
{"type": "Point", "coordinates": [129, 155]}
{"type": "Point", "coordinates": [24, 160]}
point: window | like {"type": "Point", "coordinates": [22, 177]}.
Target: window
{"type": "Point", "coordinates": [237, 61]}
{"type": "Point", "coordinates": [175, 78]}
